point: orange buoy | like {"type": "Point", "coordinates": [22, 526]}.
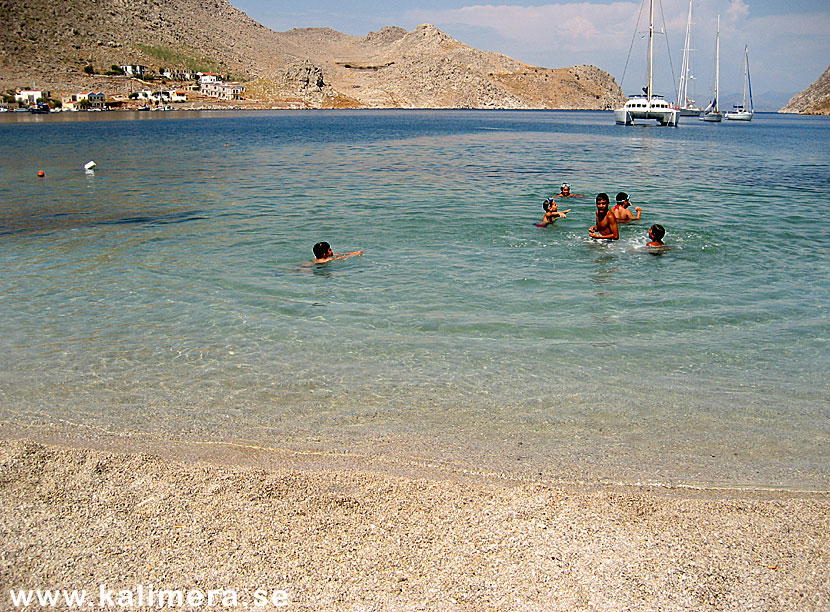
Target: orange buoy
{"type": "Point", "coordinates": [41, 173]}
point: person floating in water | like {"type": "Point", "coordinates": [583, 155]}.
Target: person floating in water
{"type": "Point", "coordinates": [323, 253]}
{"type": "Point", "coordinates": [656, 233]}
{"type": "Point", "coordinates": [551, 213]}
{"type": "Point", "coordinates": [606, 227]}
{"type": "Point", "coordinates": [621, 211]}
{"type": "Point", "coordinates": [565, 192]}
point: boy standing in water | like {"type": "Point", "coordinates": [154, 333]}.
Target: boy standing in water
{"type": "Point", "coordinates": [606, 227]}
{"type": "Point", "coordinates": [621, 211]}
{"type": "Point", "coordinates": [323, 253]}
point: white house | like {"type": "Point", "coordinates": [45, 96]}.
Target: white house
{"type": "Point", "coordinates": [178, 75]}
{"type": "Point", "coordinates": [162, 97]}
{"type": "Point", "coordinates": [30, 96]}
{"type": "Point", "coordinates": [223, 91]}
{"type": "Point", "coordinates": [136, 70]}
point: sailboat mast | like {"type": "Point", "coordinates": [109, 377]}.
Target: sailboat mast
{"type": "Point", "coordinates": [650, 47]}
{"type": "Point", "coordinates": [717, 64]}
{"type": "Point", "coordinates": [683, 94]}
{"type": "Point", "coordinates": [749, 80]}
{"type": "Point", "coordinates": [746, 70]}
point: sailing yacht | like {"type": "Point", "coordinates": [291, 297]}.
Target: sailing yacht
{"type": "Point", "coordinates": [686, 107]}
{"type": "Point", "coordinates": [649, 106]}
{"type": "Point", "coordinates": [740, 112]}
{"type": "Point", "coordinates": [712, 112]}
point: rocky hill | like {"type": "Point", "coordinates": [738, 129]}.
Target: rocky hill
{"type": "Point", "coordinates": [47, 44]}
{"type": "Point", "coordinates": [815, 100]}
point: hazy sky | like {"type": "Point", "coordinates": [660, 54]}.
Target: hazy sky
{"type": "Point", "coordinates": [789, 40]}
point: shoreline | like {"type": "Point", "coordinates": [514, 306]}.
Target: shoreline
{"type": "Point", "coordinates": [350, 535]}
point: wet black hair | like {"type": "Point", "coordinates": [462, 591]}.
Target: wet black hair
{"type": "Point", "coordinates": [321, 249]}
{"type": "Point", "coordinates": [603, 196]}
{"type": "Point", "coordinates": [622, 196]}
{"type": "Point", "coordinates": [546, 204]}
{"type": "Point", "coordinates": [658, 230]}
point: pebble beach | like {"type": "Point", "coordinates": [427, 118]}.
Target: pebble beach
{"type": "Point", "coordinates": [352, 533]}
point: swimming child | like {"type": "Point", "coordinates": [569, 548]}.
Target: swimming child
{"type": "Point", "coordinates": [656, 233]}
{"type": "Point", "coordinates": [565, 192]}
{"type": "Point", "coordinates": [551, 213]}
{"type": "Point", "coordinates": [323, 253]}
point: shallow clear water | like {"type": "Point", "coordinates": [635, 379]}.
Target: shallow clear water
{"type": "Point", "coordinates": [165, 294]}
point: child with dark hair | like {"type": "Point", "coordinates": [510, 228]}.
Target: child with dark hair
{"type": "Point", "coordinates": [323, 253]}
{"type": "Point", "coordinates": [552, 213]}
{"type": "Point", "coordinates": [621, 211]}
{"type": "Point", "coordinates": [656, 233]}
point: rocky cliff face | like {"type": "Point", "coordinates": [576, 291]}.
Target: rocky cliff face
{"type": "Point", "coordinates": [815, 100]}
{"type": "Point", "coordinates": [47, 43]}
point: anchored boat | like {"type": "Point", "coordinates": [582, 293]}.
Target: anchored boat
{"type": "Point", "coordinates": [712, 112]}
{"type": "Point", "coordinates": [740, 112]}
{"type": "Point", "coordinates": [647, 106]}
{"type": "Point", "coordinates": [686, 107]}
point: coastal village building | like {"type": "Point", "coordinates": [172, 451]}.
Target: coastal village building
{"type": "Point", "coordinates": [223, 91]}
{"type": "Point", "coordinates": [96, 99]}
{"type": "Point", "coordinates": [135, 70]}
{"type": "Point", "coordinates": [30, 96]}
{"type": "Point", "coordinates": [209, 85]}
{"type": "Point", "coordinates": [178, 75]}
{"type": "Point", "coordinates": [162, 97]}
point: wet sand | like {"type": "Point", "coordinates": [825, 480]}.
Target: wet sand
{"type": "Point", "coordinates": [354, 535]}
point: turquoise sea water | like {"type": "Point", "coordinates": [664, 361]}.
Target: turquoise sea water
{"type": "Point", "coordinates": [165, 294]}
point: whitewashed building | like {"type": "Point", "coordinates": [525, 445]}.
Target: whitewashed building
{"type": "Point", "coordinates": [30, 96]}
{"type": "Point", "coordinates": [136, 70]}
{"type": "Point", "coordinates": [162, 97]}
{"type": "Point", "coordinates": [177, 75]}
{"type": "Point", "coordinates": [223, 91]}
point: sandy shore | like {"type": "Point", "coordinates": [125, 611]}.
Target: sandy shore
{"type": "Point", "coordinates": [362, 539]}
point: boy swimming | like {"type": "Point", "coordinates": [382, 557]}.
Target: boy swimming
{"type": "Point", "coordinates": [324, 254]}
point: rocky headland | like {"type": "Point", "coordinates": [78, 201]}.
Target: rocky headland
{"type": "Point", "coordinates": [815, 100]}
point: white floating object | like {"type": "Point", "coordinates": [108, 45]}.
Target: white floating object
{"type": "Point", "coordinates": [89, 165]}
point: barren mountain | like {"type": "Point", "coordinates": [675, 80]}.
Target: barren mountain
{"type": "Point", "coordinates": [47, 44]}
{"type": "Point", "coordinates": [815, 100]}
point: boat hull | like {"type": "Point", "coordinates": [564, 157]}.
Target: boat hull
{"type": "Point", "coordinates": [712, 117]}
{"type": "Point", "coordinates": [689, 112]}
{"type": "Point", "coordinates": [625, 116]}
{"type": "Point", "coordinates": [738, 116]}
